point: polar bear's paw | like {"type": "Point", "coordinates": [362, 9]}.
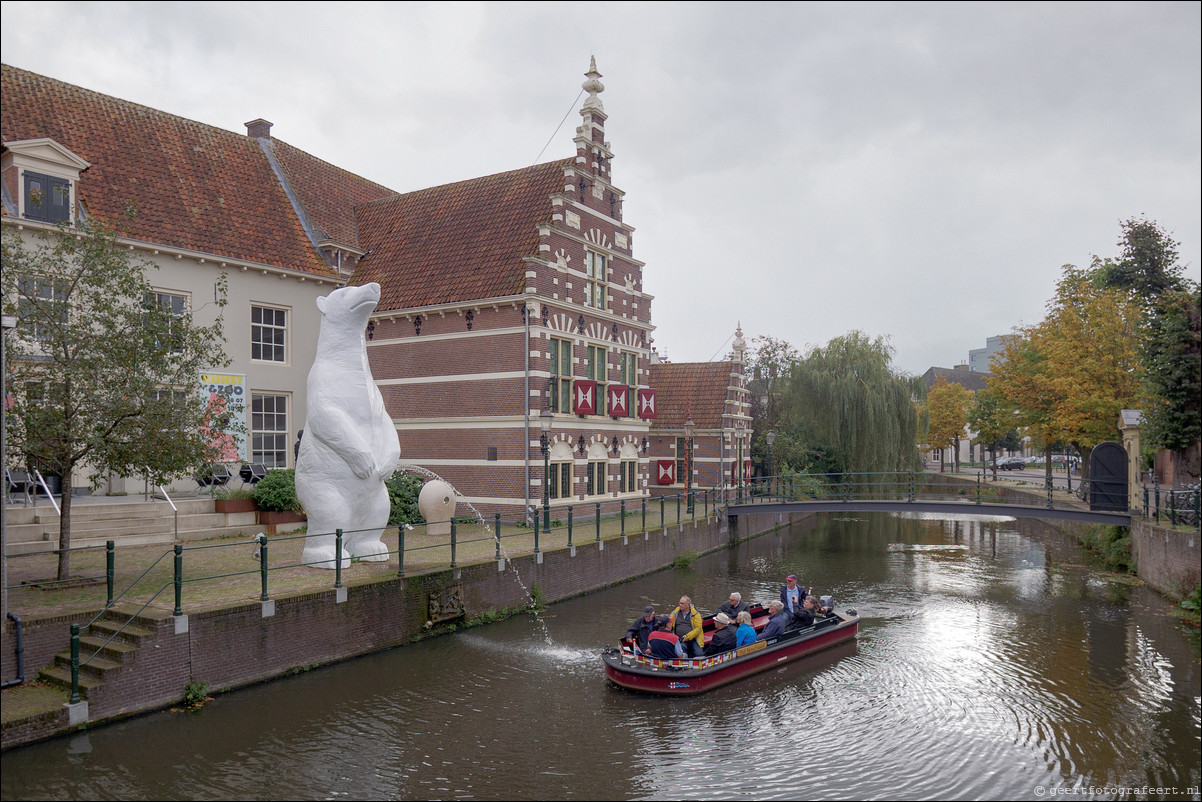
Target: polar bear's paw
{"type": "Point", "coordinates": [320, 555]}
{"type": "Point", "coordinates": [372, 551]}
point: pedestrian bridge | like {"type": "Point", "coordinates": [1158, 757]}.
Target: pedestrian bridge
{"type": "Point", "coordinates": [916, 492]}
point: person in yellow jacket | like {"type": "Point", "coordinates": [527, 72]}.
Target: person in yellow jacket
{"type": "Point", "coordinates": [685, 623]}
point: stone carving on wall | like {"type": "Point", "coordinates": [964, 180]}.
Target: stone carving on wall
{"type": "Point", "coordinates": [446, 603]}
{"type": "Point", "coordinates": [350, 446]}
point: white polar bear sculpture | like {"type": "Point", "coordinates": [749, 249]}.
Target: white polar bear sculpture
{"type": "Point", "coordinates": [350, 444]}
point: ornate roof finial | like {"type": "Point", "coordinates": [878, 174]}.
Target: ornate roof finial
{"type": "Point", "coordinates": [740, 345]}
{"type": "Point", "coordinates": [593, 86]}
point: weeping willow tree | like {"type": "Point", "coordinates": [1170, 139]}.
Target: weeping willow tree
{"type": "Point", "coordinates": [852, 401]}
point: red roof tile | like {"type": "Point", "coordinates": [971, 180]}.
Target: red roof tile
{"type": "Point", "coordinates": [193, 186]}
{"type": "Point", "coordinates": [457, 242]}
{"type": "Point", "coordinates": [696, 388]}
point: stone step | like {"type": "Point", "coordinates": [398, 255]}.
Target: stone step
{"type": "Point", "coordinates": [61, 677]}
{"type": "Point", "coordinates": [126, 632]}
{"type": "Point", "coordinates": [23, 533]}
{"type": "Point", "coordinates": [93, 665]}
{"type": "Point", "coordinates": [115, 649]}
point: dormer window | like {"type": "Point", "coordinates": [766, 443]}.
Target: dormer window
{"type": "Point", "coordinates": [47, 198]}
{"type": "Point", "coordinates": [46, 176]}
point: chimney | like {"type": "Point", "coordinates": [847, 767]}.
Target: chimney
{"type": "Point", "coordinates": [259, 129]}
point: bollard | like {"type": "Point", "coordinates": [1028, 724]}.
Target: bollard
{"type": "Point", "coordinates": [74, 664]}
{"type": "Point", "coordinates": [454, 538]}
{"type": "Point", "coordinates": [400, 549]}
{"type": "Point", "coordinates": [598, 519]}
{"type": "Point", "coordinates": [263, 566]}
{"type": "Point", "coordinates": [569, 527]}
{"type": "Point", "coordinates": [338, 557]}
{"type": "Point", "coordinates": [110, 569]}
{"type": "Point", "coordinates": [179, 580]}
{"type": "Point", "coordinates": [497, 533]}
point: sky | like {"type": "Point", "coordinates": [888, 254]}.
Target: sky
{"type": "Point", "coordinates": [918, 171]}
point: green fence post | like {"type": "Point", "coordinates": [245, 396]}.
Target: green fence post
{"type": "Point", "coordinates": [454, 538]}
{"type": "Point", "coordinates": [678, 509]}
{"type": "Point", "coordinates": [263, 566]}
{"type": "Point", "coordinates": [497, 533]}
{"type": "Point", "coordinates": [644, 505]}
{"type": "Point", "coordinates": [661, 513]}
{"type": "Point", "coordinates": [569, 527]}
{"type": "Point", "coordinates": [337, 558]}
{"type": "Point", "coordinates": [400, 549]}
{"type": "Point", "coordinates": [74, 664]}
{"type": "Point", "coordinates": [622, 508]}
{"type": "Point", "coordinates": [705, 500]}
{"type": "Point", "coordinates": [910, 489]}
{"type": "Point", "coordinates": [598, 519]}
{"type": "Point", "coordinates": [1049, 484]}
{"type": "Point", "coordinates": [978, 488]}
{"type": "Point", "coordinates": [110, 569]}
{"type": "Point", "coordinates": [179, 580]}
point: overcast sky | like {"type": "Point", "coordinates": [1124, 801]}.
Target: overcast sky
{"type": "Point", "coordinates": [917, 171]}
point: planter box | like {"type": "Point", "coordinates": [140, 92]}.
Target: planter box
{"type": "Point", "coordinates": [269, 518]}
{"type": "Point", "coordinates": [232, 505]}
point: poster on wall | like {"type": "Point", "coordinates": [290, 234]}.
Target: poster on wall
{"type": "Point", "coordinates": [224, 395]}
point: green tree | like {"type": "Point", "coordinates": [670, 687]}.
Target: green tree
{"type": "Point", "coordinates": [105, 377]}
{"type": "Point", "coordinates": [1147, 265]}
{"type": "Point", "coordinates": [768, 366]}
{"type": "Point", "coordinates": [1173, 371]}
{"type": "Point", "coordinates": [947, 406]}
{"type": "Point", "coordinates": [847, 399]}
{"type": "Point", "coordinates": [994, 422]}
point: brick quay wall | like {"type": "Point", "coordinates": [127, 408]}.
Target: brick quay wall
{"type": "Point", "coordinates": [253, 642]}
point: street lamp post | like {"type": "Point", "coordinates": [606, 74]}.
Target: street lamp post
{"type": "Point", "coordinates": [9, 322]}
{"type": "Point", "coordinates": [770, 437]}
{"type": "Point", "coordinates": [688, 434]}
{"type": "Point", "coordinates": [545, 419]}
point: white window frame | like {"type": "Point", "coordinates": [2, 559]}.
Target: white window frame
{"type": "Point", "coordinates": [261, 430]}
{"type": "Point", "coordinates": [258, 328]}
{"type": "Point", "coordinates": [596, 279]}
{"type": "Point", "coordinates": [560, 383]}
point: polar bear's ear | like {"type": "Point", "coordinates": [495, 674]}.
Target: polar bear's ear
{"type": "Point", "coordinates": [321, 304]}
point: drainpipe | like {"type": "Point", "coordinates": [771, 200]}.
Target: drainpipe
{"type": "Point", "coordinates": [20, 656]}
{"type": "Point", "coordinates": [526, 415]}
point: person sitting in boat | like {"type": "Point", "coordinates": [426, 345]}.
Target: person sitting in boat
{"type": "Point", "coordinates": [687, 624]}
{"type": "Point", "coordinates": [642, 627]}
{"type": "Point", "coordinates": [724, 638]}
{"type": "Point", "coordinates": [792, 594]}
{"type": "Point", "coordinates": [805, 616]}
{"type": "Point", "coordinates": [734, 606]}
{"type": "Point", "coordinates": [746, 632]}
{"type": "Point", "coordinates": [662, 643]}
{"type": "Point", "coordinates": [778, 622]}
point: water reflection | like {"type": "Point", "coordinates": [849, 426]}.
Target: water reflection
{"type": "Point", "coordinates": [988, 664]}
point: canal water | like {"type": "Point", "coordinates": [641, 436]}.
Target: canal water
{"type": "Point", "coordinates": [990, 664]}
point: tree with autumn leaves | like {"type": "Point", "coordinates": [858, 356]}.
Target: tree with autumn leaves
{"type": "Point", "coordinates": [1069, 376]}
{"type": "Point", "coordinates": [947, 407]}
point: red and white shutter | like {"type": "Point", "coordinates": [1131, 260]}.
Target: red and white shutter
{"type": "Point", "coordinates": [665, 473]}
{"type": "Point", "coordinates": [619, 406]}
{"type": "Point", "coordinates": [646, 403]}
{"type": "Point", "coordinates": [584, 397]}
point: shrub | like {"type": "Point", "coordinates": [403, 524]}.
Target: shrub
{"type": "Point", "coordinates": [276, 492]}
{"type": "Point", "coordinates": [685, 559]}
{"type": "Point", "coordinates": [233, 493]}
{"type": "Point", "coordinates": [403, 490]}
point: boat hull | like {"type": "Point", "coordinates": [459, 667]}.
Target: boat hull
{"type": "Point", "coordinates": [649, 676]}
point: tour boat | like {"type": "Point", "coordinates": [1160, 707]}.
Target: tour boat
{"type": "Point", "coordinates": [683, 676]}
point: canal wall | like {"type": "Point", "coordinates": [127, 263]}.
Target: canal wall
{"type": "Point", "coordinates": [1167, 559]}
{"type": "Point", "coordinates": [247, 643]}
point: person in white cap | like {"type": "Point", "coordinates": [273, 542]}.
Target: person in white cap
{"type": "Point", "coordinates": [724, 635]}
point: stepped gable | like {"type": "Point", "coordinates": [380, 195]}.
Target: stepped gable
{"type": "Point", "coordinates": [696, 388]}
{"type": "Point", "coordinates": [327, 193]}
{"type": "Point", "coordinates": [194, 186]}
{"type": "Point", "coordinates": [457, 242]}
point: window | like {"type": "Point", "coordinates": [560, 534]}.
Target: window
{"type": "Point", "coordinates": [629, 472]}
{"type": "Point", "coordinates": [682, 459]}
{"type": "Point", "coordinates": [595, 278]}
{"type": "Point", "coordinates": [628, 375]}
{"type": "Point", "coordinates": [596, 483]}
{"type": "Point", "coordinates": [176, 307]}
{"type": "Point", "coordinates": [41, 307]}
{"type": "Point", "coordinates": [596, 368]}
{"type": "Point", "coordinates": [269, 430]}
{"type": "Point", "coordinates": [47, 199]}
{"type": "Point", "coordinates": [268, 334]}
{"type": "Point", "coordinates": [561, 375]}
{"type": "Point", "coordinates": [560, 482]}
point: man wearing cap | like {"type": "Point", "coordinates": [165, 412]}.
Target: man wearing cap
{"type": "Point", "coordinates": [792, 594]}
{"type": "Point", "coordinates": [661, 643]}
{"type": "Point", "coordinates": [724, 635]}
{"type": "Point", "coordinates": [642, 628]}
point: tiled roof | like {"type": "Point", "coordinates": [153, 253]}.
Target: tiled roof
{"type": "Point", "coordinates": [457, 242]}
{"type": "Point", "coordinates": [328, 194]}
{"type": "Point", "coordinates": [697, 388]}
{"type": "Point", "coordinates": [968, 379]}
{"type": "Point", "coordinates": [193, 186]}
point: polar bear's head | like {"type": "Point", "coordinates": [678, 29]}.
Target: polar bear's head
{"type": "Point", "coordinates": [349, 307]}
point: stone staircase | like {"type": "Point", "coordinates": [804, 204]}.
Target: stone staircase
{"type": "Point", "coordinates": [104, 657]}
{"type": "Point", "coordinates": [32, 529]}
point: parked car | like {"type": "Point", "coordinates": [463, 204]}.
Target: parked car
{"type": "Point", "coordinates": [1012, 464]}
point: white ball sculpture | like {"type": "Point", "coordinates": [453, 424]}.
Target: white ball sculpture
{"type": "Point", "coordinates": [350, 445]}
{"type": "Point", "coordinates": [436, 502]}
